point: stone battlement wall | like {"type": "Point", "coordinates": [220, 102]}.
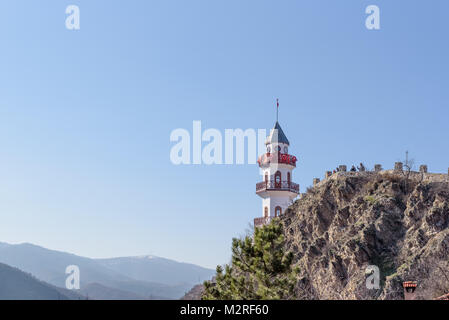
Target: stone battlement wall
{"type": "Point", "coordinates": [399, 168]}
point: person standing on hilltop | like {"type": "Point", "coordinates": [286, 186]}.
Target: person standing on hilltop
{"type": "Point", "coordinates": [362, 167]}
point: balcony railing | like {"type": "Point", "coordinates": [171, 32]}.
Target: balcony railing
{"type": "Point", "coordinates": [280, 186]}
{"type": "Point", "coordinates": [258, 222]}
{"type": "Point", "coordinates": [284, 158]}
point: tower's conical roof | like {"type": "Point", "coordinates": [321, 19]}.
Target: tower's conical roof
{"type": "Point", "coordinates": [277, 135]}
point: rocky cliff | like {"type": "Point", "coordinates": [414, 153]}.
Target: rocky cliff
{"type": "Point", "coordinates": [393, 220]}
{"type": "Point", "coordinates": [195, 293]}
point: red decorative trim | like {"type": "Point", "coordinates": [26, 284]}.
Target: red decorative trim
{"type": "Point", "coordinates": [410, 284]}
{"type": "Point", "coordinates": [285, 158]}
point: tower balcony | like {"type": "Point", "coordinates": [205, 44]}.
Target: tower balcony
{"type": "Point", "coordinates": [261, 221]}
{"type": "Point", "coordinates": [277, 186]}
{"type": "Point", "coordinates": [284, 158]}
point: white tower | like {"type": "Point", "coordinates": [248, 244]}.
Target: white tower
{"type": "Point", "coordinates": [277, 189]}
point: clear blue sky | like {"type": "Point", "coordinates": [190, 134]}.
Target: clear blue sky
{"type": "Point", "coordinates": [86, 116]}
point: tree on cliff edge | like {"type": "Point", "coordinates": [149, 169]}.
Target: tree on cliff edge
{"type": "Point", "coordinates": [260, 269]}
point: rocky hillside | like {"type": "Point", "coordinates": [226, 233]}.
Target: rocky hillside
{"type": "Point", "coordinates": [194, 293]}
{"type": "Point", "coordinates": [355, 219]}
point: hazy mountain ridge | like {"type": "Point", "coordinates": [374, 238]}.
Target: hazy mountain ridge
{"type": "Point", "coordinates": [18, 285]}
{"type": "Point", "coordinates": [50, 265]}
{"type": "Point", "coordinates": [98, 291]}
{"type": "Point", "coordinates": [156, 269]}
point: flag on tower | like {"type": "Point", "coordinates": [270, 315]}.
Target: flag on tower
{"type": "Point", "coordinates": [277, 109]}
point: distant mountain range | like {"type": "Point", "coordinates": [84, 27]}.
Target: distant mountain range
{"type": "Point", "coordinates": [18, 285]}
{"type": "Point", "coordinates": [155, 269]}
{"type": "Point", "coordinates": [145, 277]}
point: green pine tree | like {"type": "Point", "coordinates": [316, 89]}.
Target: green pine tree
{"type": "Point", "coordinates": [260, 269]}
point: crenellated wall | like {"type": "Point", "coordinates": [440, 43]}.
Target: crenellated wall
{"type": "Point", "coordinates": [399, 167]}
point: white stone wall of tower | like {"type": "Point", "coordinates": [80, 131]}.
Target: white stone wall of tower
{"type": "Point", "coordinates": [274, 198]}
{"type": "Point", "coordinates": [272, 202]}
{"type": "Point", "coordinates": [277, 198]}
{"type": "Point", "coordinates": [274, 166]}
{"type": "Point", "coordinates": [272, 169]}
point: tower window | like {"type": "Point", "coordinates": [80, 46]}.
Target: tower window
{"type": "Point", "coordinates": [277, 177]}
{"type": "Point", "coordinates": [285, 149]}
{"type": "Point", "coordinates": [265, 212]}
{"type": "Point", "coordinates": [277, 211]}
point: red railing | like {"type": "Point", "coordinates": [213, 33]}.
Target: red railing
{"type": "Point", "coordinates": [281, 186]}
{"type": "Point", "coordinates": [284, 158]}
{"type": "Point", "coordinates": [258, 222]}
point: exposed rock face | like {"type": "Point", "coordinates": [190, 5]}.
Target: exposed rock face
{"type": "Point", "coordinates": [355, 219]}
{"type": "Point", "coordinates": [194, 293]}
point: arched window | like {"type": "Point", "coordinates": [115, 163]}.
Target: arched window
{"type": "Point", "coordinates": [288, 178]}
{"type": "Point", "coordinates": [265, 212]}
{"type": "Point", "coordinates": [277, 211]}
{"type": "Point", "coordinates": [277, 179]}
{"type": "Point", "coordinates": [266, 177]}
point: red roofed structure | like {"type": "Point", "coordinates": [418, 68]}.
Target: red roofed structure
{"type": "Point", "coordinates": [409, 290]}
